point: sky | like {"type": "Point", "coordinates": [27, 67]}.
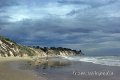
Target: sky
{"type": "Point", "coordinates": [90, 25]}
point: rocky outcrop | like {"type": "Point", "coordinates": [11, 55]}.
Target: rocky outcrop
{"type": "Point", "coordinates": [10, 48]}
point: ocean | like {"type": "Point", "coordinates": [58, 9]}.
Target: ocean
{"type": "Point", "coordinates": [103, 60]}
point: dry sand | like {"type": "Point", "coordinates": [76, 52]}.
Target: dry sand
{"type": "Point", "coordinates": [9, 72]}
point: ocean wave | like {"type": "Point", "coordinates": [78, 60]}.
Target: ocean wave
{"type": "Point", "coordinates": [103, 60]}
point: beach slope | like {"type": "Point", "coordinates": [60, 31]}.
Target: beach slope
{"type": "Point", "coordinates": [9, 71]}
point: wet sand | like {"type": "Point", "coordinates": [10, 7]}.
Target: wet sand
{"type": "Point", "coordinates": [60, 69]}
{"type": "Point", "coordinates": [9, 69]}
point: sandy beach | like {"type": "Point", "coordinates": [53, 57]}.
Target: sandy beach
{"type": "Point", "coordinates": [55, 69]}
{"type": "Point", "coordinates": [9, 69]}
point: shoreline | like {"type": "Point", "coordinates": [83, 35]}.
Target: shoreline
{"type": "Point", "coordinates": [9, 69]}
{"type": "Point", "coordinates": [62, 69]}
{"type": "Point", "coordinates": [56, 68]}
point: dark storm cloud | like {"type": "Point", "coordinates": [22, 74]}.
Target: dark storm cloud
{"type": "Point", "coordinates": [92, 3]}
{"type": "Point", "coordinates": [29, 30]}
{"type": "Point", "coordinates": [7, 3]}
{"type": "Point", "coordinates": [3, 22]}
{"type": "Point", "coordinates": [91, 25]}
{"type": "Point", "coordinates": [63, 30]}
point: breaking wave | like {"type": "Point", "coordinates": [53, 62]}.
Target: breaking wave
{"type": "Point", "coordinates": [103, 60]}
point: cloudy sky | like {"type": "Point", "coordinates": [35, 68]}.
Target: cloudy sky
{"type": "Point", "coordinates": [90, 25]}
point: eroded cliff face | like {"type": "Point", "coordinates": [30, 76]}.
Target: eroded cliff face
{"type": "Point", "coordinates": [10, 48]}
{"type": "Point", "coordinates": [63, 53]}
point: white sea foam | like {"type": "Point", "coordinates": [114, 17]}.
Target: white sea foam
{"type": "Point", "coordinates": [103, 60]}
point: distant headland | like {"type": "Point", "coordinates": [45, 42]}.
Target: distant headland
{"type": "Point", "coordinates": [9, 47]}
